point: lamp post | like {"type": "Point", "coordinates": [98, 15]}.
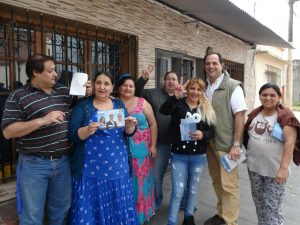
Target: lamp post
{"type": "Point", "coordinates": [289, 76]}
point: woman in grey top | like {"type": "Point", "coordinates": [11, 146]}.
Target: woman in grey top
{"type": "Point", "coordinates": [268, 154]}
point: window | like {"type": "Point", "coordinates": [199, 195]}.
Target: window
{"type": "Point", "coordinates": [75, 46]}
{"type": "Point", "coordinates": [273, 75]}
{"type": "Point", "coordinates": [183, 65]}
{"type": "Point", "coordinates": [236, 70]}
{"type": "Point", "coordinates": [189, 67]}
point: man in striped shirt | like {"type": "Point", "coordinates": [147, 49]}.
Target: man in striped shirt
{"type": "Point", "coordinates": [37, 115]}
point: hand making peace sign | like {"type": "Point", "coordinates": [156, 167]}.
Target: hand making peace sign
{"type": "Point", "coordinates": [180, 90]}
{"type": "Point", "coordinates": [146, 72]}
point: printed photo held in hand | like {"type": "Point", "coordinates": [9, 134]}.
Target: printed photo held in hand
{"type": "Point", "coordinates": [108, 119]}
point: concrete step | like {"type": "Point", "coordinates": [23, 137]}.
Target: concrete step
{"type": "Point", "coordinates": [7, 191]}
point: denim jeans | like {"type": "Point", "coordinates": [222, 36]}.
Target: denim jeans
{"type": "Point", "coordinates": [186, 172]}
{"type": "Point", "coordinates": [161, 163]}
{"type": "Point", "coordinates": [40, 179]}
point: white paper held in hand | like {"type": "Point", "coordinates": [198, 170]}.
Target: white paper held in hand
{"type": "Point", "coordinates": [229, 164]}
{"type": "Point", "coordinates": [78, 84]}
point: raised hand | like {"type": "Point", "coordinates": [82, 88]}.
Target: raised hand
{"type": "Point", "coordinates": [185, 86]}
{"type": "Point", "coordinates": [179, 90]}
{"type": "Point", "coordinates": [89, 89]}
{"type": "Point", "coordinates": [146, 72]}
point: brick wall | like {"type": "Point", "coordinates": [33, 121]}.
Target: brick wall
{"type": "Point", "coordinates": [156, 26]}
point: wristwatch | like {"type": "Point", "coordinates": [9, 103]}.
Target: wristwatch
{"type": "Point", "coordinates": [236, 144]}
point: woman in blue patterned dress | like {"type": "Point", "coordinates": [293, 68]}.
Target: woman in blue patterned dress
{"type": "Point", "coordinates": [142, 146]}
{"type": "Point", "coordinates": [102, 187]}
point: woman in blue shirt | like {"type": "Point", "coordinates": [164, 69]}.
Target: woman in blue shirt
{"type": "Point", "coordinates": [102, 186]}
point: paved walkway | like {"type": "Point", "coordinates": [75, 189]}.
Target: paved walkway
{"type": "Point", "coordinates": [207, 200]}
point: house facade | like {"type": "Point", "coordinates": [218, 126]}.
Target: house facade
{"type": "Point", "coordinates": [120, 36]}
{"type": "Point", "coordinates": [270, 66]}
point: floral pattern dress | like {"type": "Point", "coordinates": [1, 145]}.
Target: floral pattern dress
{"type": "Point", "coordinates": [142, 166]}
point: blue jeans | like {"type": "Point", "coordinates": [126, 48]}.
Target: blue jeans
{"type": "Point", "coordinates": [40, 179]}
{"type": "Point", "coordinates": [161, 163]}
{"type": "Point", "coordinates": [186, 172]}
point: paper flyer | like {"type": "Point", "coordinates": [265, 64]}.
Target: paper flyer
{"type": "Point", "coordinates": [229, 164]}
{"type": "Point", "coordinates": [185, 129]}
{"type": "Point", "coordinates": [78, 84]}
{"type": "Point", "coordinates": [277, 132]}
{"type": "Point", "coordinates": [108, 119]}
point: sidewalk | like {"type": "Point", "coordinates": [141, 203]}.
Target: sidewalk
{"type": "Point", "coordinates": [207, 200]}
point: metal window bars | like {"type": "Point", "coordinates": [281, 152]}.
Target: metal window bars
{"type": "Point", "coordinates": [74, 45]}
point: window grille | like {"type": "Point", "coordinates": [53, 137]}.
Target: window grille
{"type": "Point", "coordinates": [273, 75]}
{"type": "Point", "coordinates": [75, 47]}
{"type": "Point", "coordinates": [236, 70]}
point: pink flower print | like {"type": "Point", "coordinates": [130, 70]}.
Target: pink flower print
{"type": "Point", "coordinates": [142, 136]}
{"type": "Point", "coordinates": [141, 204]}
{"type": "Point", "coordinates": [135, 164]}
{"type": "Point", "coordinates": [141, 170]}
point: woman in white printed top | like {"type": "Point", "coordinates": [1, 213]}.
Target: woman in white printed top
{"type": "Point", "coordinates": [269, 155]}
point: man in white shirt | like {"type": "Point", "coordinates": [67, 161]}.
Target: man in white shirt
{"type": "Point", "coordinates": [227, 97]}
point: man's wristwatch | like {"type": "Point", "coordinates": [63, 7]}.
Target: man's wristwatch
{"type": "Point", "coordinates": [236, 144]}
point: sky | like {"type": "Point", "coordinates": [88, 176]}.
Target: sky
{"type": "Point", "coordinates": [275, 15]}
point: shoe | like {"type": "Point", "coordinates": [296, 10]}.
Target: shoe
{"type": "Point", "coordinates": [215, 220]}
{"type": "Point", "coordinates": [188, 221]}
